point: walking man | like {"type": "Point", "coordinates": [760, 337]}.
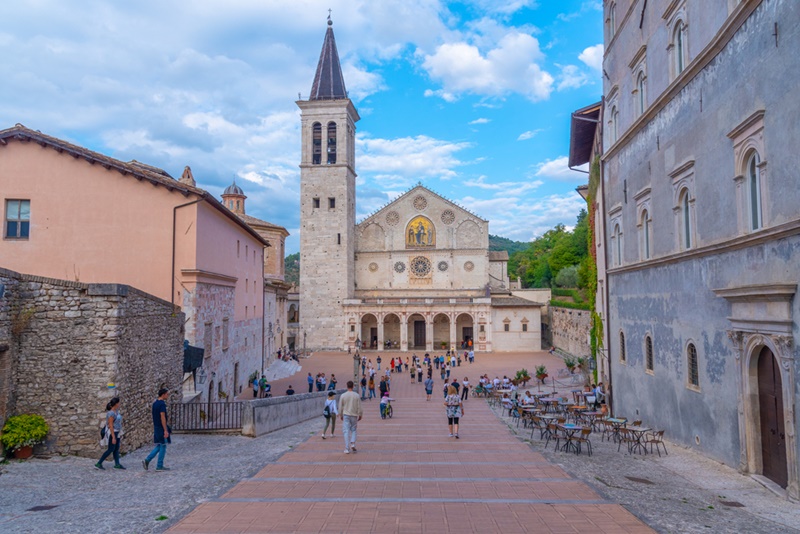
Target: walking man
{"type": "Point", "coordinates": [350, 412]}
{"type": "Point", "coordinates": [160, 432]}
{"type": "Point", "coordinates": [310, 383]}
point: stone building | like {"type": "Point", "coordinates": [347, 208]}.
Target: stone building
{"type": "Point", "coordinates": [703, 226]}
{"type": "Point", "coordinates": [416, 275]}
{"type": "Point", "coordinates": [275, 285]}
{"type": "Point", "coordinates": [67, 347]}
{"type": "Point", "coordinates": [74, 214]}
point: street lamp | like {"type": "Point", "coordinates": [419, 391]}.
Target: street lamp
{"type": "Point", "coordinates": [305, 354]}
{"type": "Point", "coordinates": [356, 363]}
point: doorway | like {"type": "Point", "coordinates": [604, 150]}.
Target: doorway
{"type": "Point", "coordinates": [419, 333]}
{"type": "Point", "coordinates": [770, 407]}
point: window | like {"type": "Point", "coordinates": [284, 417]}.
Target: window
{"type": "Point", "coordinates": [481, 328]}
{"type": "Point", "coordinates": [331, 203]}
{"type": "Point", "coordinates": [316, 144]}
{"type": "Point", "coordinates": [225, 334]}
{"type": "Point", "coordinates": [622, 347]}
{"type": "Point", "coordinates": [646, 230]}
{"type": "Point", "coordinates": [331, 143]}
{"type": "Point", "coordinates": [679, 47]}
{"type": "Point", "coordinates": [524, 327]}
{"type": "Point", "coordinates": [645, 223]}
{"type": "Point", "coordinates": [18, 219]}
{"type": "Point", "coordinates": [613, 124]}
{"type": "Point", "coordinates": [754, 191]}
{"type": "Point", "coordinates": [694, 374]}
{"type": "Point", "coordinates": [648, 354]}
{"type": "Point", "coordinates": [238, 247]}
{"type": "Point", "coordinates": [352, 328]}
{"type": "Point", "coordinates": [612, 20]}
{"type": "Point", "coordinates": [640, 89]}
{"type": "Point", "coordinates": [338, 239]}
{"type": "Point", "coordinates": [316, 202]}
{"type": "Point", "coordinates": [506, 327]}
{"type": "Point", "coordinates": [686, 220]}
{"type": "Point", "coordinates": [616, 247]}
{"type": "Point", "coordinates": [237, 205]}
{"type": "Point", "coordinates": [208, 339]}
{"type": "Point", "coordinates": [246, 251]}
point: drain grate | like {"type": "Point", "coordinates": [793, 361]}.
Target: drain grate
{"type": "Point", "coordinates": [41, 508]}
{"type": "Point", "coordinates": [640, 480]}
{"type": "Point", "coordinates": [732, 504]}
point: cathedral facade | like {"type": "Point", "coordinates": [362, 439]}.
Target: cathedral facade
{"type": "Point", "coordinates": [416, 275]}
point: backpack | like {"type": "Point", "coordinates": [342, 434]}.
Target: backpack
{"type": "Point", "coordinates": [326, 412]}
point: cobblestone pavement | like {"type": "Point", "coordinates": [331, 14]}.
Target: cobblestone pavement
{"type": "Point", "coordinates": [88, 500]}
{"type": "Point", "coordinates": [681, 492]}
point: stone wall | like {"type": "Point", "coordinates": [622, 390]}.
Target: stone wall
{"type": "Point", "coordinates": [76, 340]}
{"type": "Point", "coordinates": [569, 330]}
{"type": "Point", "coordinates": [262, 416]}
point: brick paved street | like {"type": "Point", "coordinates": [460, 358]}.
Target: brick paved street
{"type": "Point", "coordinates": [409, 476]}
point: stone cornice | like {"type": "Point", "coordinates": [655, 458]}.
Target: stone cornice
{"type": "Point", "coordinates": [739, 242]}
{"type": "Point", "coordinates": [208, 277]}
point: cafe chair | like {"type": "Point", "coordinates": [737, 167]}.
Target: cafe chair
{"type": "Point", "coordinates": [657, 439]}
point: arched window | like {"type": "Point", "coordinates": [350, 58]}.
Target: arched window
{"type": "Point", "coordinates": [622, 356]}
{"type": "Point", "coordinates": [612, 20]}
{"type": "Point", "coordinates": [316, 144]}
{"type": "Point", "coordinates": [679, 47]}
{"type": "Point", "coordinates": [640, 88]}
{"type": "Point", "coordinates": [686, 220]}
{"type": "Point", "coordinates": [754, 190]}
{"type": "Point", "coordinates": [691, 357]}
{"type": "Point", "coordinates": [645, 235]}
{"type": "Point", "coordinates": [648, 353]}
{"type": "Point", "coordinates": [613, 124]}
{"type": "Point", "coordinates": [331, 143]}
{"type": "Point", "coordinates": [617, 246]}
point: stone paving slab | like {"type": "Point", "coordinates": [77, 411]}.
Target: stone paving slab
{"type": "Point", "coordinates": [410, 476]}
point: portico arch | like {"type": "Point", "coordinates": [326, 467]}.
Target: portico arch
{"type": "Point", "coordinates": [441, 331]}
{"type": "Point", "coordinates": [465, 329]}
{"type": "Point", "coordinates": [369, 331]}
{"type": "Point", "coordinates": [417, 332]}
{"type": "Point", "coordinates": [391, 332]}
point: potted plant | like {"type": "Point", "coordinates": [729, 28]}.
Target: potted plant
{"type": "Point", "coordinates": [522, 376]}
{"type": "Point", "coordinates": [444, 345]}
{"type": "Point", "coordinates": [580, 363]}
{"type": "Point", "coordinates": [22, 432]}
{"type": "Point", "coordinates": [570, 363]}
{"type": "Point", "coordinates": [541, 373]}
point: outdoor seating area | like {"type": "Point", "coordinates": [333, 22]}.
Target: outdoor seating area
{"type": "Point", "coordinates": [571, 423]}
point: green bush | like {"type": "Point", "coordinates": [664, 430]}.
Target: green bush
{"type": "Point", "coordinates": [570, 305]}
{"type": "Point", "coordinates": [23, 431]}
{"type": "Point", "coordinates": [567, 277]}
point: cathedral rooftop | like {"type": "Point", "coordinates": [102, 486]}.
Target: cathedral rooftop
{"type": "Point", "coordinates": [328, 81]}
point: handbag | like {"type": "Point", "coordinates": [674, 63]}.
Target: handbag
{"type": "Point", "coordinates": [104, 436]}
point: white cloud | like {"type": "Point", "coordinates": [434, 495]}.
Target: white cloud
{"type": "Point", "coordinates": [558, 169]}
{"type": "Point", "coordinates": [503, 188]}
{"type": "Point", "coordinates": [506, 7]}
{"type": "Point", "coordinates": [530, 134]}
{"type": "Point", "coordinates": [571, 77]}
{"type": "Point", "coordinates": [593, 57]}
{"type": "Point", "coordinates": [590, 5]}
{"type": "Point", "coordinates": [510, 67]}
{"type": "Point", "coordinates": [444, 95]}
{"type": "Point", "coordinates": [482, 120]}
{"type": "Point", "coordinates": [405, 160]}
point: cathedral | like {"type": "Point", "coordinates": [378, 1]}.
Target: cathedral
{"type": "Point", "coordinates": [417, 275]}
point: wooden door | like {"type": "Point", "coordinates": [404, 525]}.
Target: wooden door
{"type": "Point", "coordinates": [419, 333]}
{"type": "Point", "coordinates": [770, 402]}
{"type": "Point", "coordinates": [373, 337]}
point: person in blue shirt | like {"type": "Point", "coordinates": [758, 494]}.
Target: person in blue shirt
{"type": "Point", "coordinates": [160, 431]}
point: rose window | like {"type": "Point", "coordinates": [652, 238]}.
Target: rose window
{"type": "Point", "coordinates": [399, 266]}
{"type": "Point", "coordinates": [392, 218]}
{"type": "Point", "coordinates": [442, 266]}
{"type": "Point", "coordinates": [448, 216]}
{"type": "Point", "coordinates": [420, 266]}
{"type": "Point", "coordinates": [468, 266]}
{"type": "Point", "coordinates": [420, 202]}
{"type": "Point", "coordinates": [373, 266]}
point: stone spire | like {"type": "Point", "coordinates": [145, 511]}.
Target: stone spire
{"type": "Point", "coordinates": [187, 177]}
{"type": "Point", "coordinates": [328, 81]}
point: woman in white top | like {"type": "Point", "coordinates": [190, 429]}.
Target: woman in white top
{"type": "Point", "coordinates": [465, 389]}
{"type": "Point", "coordinates": [330, 411]}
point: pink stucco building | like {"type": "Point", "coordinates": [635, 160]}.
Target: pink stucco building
{"type": "Point", "coordinates": [74, 214]}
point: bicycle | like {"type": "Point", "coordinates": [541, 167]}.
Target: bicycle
{"type": "Point", "coordinates": [387, 410]}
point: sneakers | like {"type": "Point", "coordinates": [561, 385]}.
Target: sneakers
{"type": "Point", "coordinates": [347, 451]}
{"type": "Point", "coordinates": [353, 447]}
{"type": "Point", "coordinates": [450, 435]}
{"type": "Point", "coordinates": [162, 468]}
{"type": "Point", "coordinates": [99, 466]}
{"type": "Point", "coordinates": [323, 436]}
{"type": "Point", "coordinates": [456, 436]}
{"type": "Point", "coordinates": [119, 466]}
{"type": "Point", "coordinates": [146, 464]}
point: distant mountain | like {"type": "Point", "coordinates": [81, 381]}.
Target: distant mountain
{"type": "Point", "coordinates": [501, 243]}
{"type": "Point", "coordinates": [292, 268]}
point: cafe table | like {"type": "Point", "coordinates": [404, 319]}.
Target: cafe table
{"type": "Point", "coordinates": [638, 433]}
{"type": "Point", "coordinates": [617, 423]}
{"type": "Point", "coordinates": [569, 434]}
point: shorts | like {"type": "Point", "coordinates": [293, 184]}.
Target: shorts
{"type": "Point", "coordinates": [452, 420]}
{"type": "Point", "coordinates": [429, 391]}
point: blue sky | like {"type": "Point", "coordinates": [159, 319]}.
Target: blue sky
{"type": "Point", "coordinates": [471, 98]}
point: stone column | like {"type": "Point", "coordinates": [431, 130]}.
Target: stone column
{"type": "Point", "coordinates": [380, 332]}
{"type": "Point", "coordinates": [403, 332]}
{"type": "Point", "coordinates": [429, 332]}
{"type": "Point", "coordinates": [453, 333]}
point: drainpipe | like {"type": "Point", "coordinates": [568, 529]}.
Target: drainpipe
{"type": "Point", "coordinates": [263, 311]}
{"type": "Point", "coordinates": [174, 223]}
{"type": "Point", "coordinates": [607, 307]}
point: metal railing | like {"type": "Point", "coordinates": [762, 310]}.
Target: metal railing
{"type": "Point", "coordinates": [206, 416]}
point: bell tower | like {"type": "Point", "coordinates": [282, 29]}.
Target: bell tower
{"type": "Point", "coordinates": [327, 202]}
